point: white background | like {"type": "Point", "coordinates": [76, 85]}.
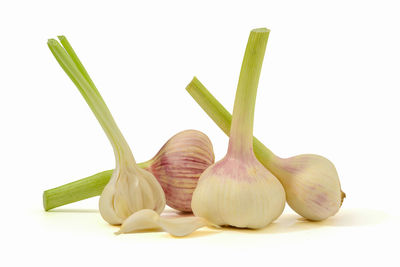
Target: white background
{"type": "Point", "coordinates": [329, 86]}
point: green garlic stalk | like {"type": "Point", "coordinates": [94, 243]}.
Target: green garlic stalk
{"type": "Point", "coordinates": [77, 190]}
{"type": "Point", "coordinates": [130, 188]}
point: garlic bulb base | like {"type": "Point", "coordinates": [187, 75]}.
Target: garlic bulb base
{"type": "Point", "coordinates": [237, 194]}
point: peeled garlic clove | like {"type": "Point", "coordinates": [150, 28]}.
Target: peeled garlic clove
{"type": "Point", "coordinates": [179, 164]}
{"type": "Point", "coordinates": [149, 219]}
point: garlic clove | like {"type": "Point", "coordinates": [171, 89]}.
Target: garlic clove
{"type": "Point", "coordinates": [145, 219]}
{"type": "Point", "coordinates": [107, 205]}
{"type": "Point", "coordinates": [182, 226]}
{"type": "Point", "coordinates": [148, 219]}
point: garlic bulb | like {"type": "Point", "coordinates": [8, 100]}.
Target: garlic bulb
{"type": "Point", "coordinates": [311, 181]}
{"type": "Point", "coordinates": [130, 188]}
{"type": "Point", "coordinates": [177, 167]}
{"type": "Point", "coordinates": [179, 164]}
{"type": "Point", "coordinates": [238, 190]}
{"type": "Point", "coordinates": [238, 193]}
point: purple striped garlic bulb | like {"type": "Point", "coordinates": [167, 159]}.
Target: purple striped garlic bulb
{"type": "Point", "coordinates": [179, 164]}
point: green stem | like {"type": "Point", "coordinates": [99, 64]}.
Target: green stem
{"type": "Point", "coordinates": [79, 190]}
{"type": "Point", "coordinates": [218, 113]}
{"type": "Point", "coordinates": [71, 52]}
{"type": "Point", "coordinates": [241, 134]}
{"type": "Point", "coordinates": [71, 64]}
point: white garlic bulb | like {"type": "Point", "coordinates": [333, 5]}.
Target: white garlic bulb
{"type": "Point", "coordinates": [311, 183]}
{"type": "Point", "coordinates": [238, 193]}
{"type": "Point", "coordinates": [128, 191]}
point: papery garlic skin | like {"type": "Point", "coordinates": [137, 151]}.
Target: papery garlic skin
{"type": "Point", "coordinates": [312, 185]}
{"type": "Point", "coordinates": [129, 191]}
{"type": "Point", "coordinates": [237, 194]}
